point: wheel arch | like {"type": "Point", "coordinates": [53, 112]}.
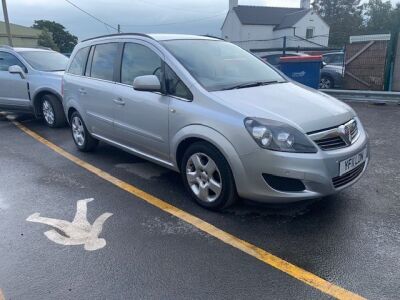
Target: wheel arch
{"type": "Point", "coordinates": [195, 133]}
{"type": "Point", "coordinates": [38, 96]}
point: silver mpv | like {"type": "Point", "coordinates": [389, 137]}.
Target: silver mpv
{"type": "Point", "coordinates": [231, 124]}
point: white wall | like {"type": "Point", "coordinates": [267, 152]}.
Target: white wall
{"type": "Point", "coordinates": [231, 28]}
{"type": "Point", "coordinates": [321, 29]}
{"type": "Point", "coordinates": [248, 36]}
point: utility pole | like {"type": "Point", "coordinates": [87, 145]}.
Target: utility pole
{"type": "Point", "coordinates": [119, 28]}
{"type": "Point", "coordinates": [284, 46]}
{"type": "Point", "coordinates": [7, 22]}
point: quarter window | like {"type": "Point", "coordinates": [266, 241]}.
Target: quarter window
{"type": "Point", "coordinates": [138, 60]}
{"type": "Point", "coordinates": [78, 63]}
{"type": "Point", "coordinates": [7, 60]}
{"type": "Point", "coordinates": [103, 61]}
{"type": "Point", "coordinates": [175, 86]}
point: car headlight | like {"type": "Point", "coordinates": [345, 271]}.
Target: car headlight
{"type": "Point", "coordinates": [278, 136]}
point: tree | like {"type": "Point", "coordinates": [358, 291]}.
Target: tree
{"type": "Point", "coordinates": [381, 17]}
{"type": "Point", "coordinates": [46, 40]}
{"type": "Point", "coordinates": [377, 16]}
{"type": "Point", "coordinates": [64, 40]}
{"type": "Point", "coordinates": [344, 18]}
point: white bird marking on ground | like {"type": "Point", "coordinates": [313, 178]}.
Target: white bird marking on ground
{"type": "Point", "coordinates": [77, 232]}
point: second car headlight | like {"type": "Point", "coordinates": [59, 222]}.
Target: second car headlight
{"type": "Point", "coordinates": [278, 136]}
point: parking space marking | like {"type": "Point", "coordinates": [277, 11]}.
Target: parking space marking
{"type": "Point", "coordinates": [252, 250]}
{"type": "Point", "coordinates": [77, 232]}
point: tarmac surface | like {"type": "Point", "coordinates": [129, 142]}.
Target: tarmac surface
{"type": "Point", "coordinates": [351, 240]}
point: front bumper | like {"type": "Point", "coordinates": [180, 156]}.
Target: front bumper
{"type": "Point", "coordinates": [315, 170]}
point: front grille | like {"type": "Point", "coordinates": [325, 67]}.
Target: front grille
{"type": "Point", "coordinates": [331, 143]}
{"type": "Point", "coordinates": [336, 137]}
{"type": "Point", "coordinates": [354, 132]}
{"type": "Point", "coordinates": [348, 177]}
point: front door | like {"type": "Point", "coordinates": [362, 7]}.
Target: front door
{"type": "Point", "coordinates": [141, 118]}
{"type": "Point", "coordinates": [13, 89]}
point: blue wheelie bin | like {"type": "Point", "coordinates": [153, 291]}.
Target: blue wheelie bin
{"type": "Point", "coordinates": [303, 69]}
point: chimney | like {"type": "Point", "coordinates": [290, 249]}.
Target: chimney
{"type": "Point", "coordinates": [305, 4]}
{"type": "Point", "coordinates": [233, 3]}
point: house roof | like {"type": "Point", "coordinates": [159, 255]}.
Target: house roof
{"type": "Point", "coordinates": [291, 19]}
{"type": "Point", "coordinates": [281, 17]}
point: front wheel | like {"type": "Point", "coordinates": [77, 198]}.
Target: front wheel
{"type": "Point", "coordinates": [326, 82]}
{"type": "Point", "coordinates": [82, 138]}
{"type": "Point", "coordinates": [52, 111]}
{"type": "Point", "coordinates": [207, 176]}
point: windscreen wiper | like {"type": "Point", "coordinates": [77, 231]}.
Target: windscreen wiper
{"type": "Point", "coordinates": [251, 84]}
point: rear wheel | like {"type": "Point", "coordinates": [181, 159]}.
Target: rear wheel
{"type": "Point", "coordinates": [207, 176]}
{"type": "Point", "coordinates": [52, 111]}
{"type": "Point", "coordinates": [82, 138]}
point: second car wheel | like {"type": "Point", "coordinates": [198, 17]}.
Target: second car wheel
{"type": "Point", "coordinates": [326, 82]}
{"type": "Point", "coordinates": [82, 138]}
{"type": "Point", "coordinates": [52, 111]}
{"type": "Point", "coordinates": [207, 176]}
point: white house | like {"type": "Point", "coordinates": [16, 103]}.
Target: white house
{"type": "Point", "coordinates": [262, 27]}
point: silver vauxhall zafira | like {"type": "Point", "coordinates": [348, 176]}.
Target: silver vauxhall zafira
{"type": "Point", "coordinates": [229, 123]}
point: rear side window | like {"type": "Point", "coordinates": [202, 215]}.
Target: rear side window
{"type": "Point", "coordinates": [78, 63]}
{"type": "Point", "coordinates": [7, 60]}
{"type": "Point", "coordinates": [138, 60]}
{"type": "Point", "coordinates": [103, 61]}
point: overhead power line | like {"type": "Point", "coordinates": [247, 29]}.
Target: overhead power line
{"type": "Point", "coordinates": [167, 6]}
{"type": "Point", "coordinates": [92, 16]}
{"type": "Point", "coordinates": [176, 23]}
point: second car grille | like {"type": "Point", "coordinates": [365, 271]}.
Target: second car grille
{"type": "Point", "coordinates": [348, 177]}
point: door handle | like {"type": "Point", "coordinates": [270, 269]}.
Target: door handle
{"type": "Point", "coordinates": [82, 91]}
{"type": "Point", "coordinates": [119, 101]}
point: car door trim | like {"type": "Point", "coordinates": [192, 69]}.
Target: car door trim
{"type": "Point", "coordinates": [96, 116]}
{"type": "Point", "coordinates": [165, 163]}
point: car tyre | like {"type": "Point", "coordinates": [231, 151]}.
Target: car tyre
{"type": "Point", "coordinates": [81, 136]}
{"type": "Point", "coordinates": [208, 177]}
{"type": "Point", "coordinates": [326, 82]}
{"type": "Point", "coordinates": [52, 111]}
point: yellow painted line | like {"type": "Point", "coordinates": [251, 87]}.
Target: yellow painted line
{"type": "Point", "coordinates": [252, 250]}
{"type": "Point", "coordinates": [2, 295]}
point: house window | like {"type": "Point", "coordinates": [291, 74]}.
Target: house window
{"type": "Point", "coordinates": [310, 33]}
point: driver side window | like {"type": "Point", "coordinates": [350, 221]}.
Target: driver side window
{"type": "Point", "coordinates": [7, 60]}
{"type": "Point", "coordinates": [138, 60]}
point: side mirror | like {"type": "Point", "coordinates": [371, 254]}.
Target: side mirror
{"type": "Point", "coordinates": [17, 70]}
{"type": "Point", "coordinates": [323, 64]}
{"type": "Point", "coordinates": [148, 83]}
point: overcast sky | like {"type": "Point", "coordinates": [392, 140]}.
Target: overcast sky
{"type": "Point", "coordinates": [178, 16]}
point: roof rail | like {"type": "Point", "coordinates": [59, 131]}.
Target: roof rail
{"type": "Point", "coordinates": [211, 36]}
{"type": "Point", "coordinates": [6, 46]}
{"type": "Point", "coordinates": [118, 34]}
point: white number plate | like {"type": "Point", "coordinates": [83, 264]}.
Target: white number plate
{"type": "Point", "coordinates": [349, 164]}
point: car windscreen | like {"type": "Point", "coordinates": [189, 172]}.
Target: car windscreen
{"type": "Point", "coordinates": [49, 61]}
{"type": "Point", "coordinates": [219, 65]}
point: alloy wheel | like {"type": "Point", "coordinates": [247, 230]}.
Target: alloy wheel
{"type": "Point", "coordinates": [325, 83]}
{"type": "Point", "coordinates": [204, 177]}
{"type": "Point", "coordinates": [48, 112]}
{"type": "Point", "coordinates": [78, 131]}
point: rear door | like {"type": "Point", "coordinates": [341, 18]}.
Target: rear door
{"type": "Point", "coordinates": [14, 93]}
{"type": "Point", "coordinates": [97, 90]}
